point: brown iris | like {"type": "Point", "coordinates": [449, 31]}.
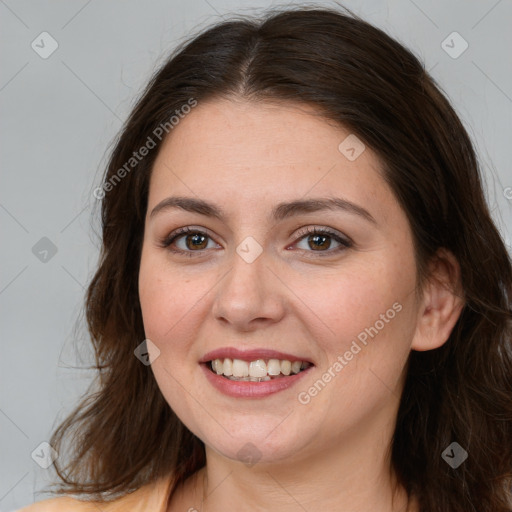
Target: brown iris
{"type": "Point", "coordinates": [196, 244]}
{"type": "Point", "coordinates": [315, 240]}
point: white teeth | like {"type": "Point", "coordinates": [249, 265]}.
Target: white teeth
{"type": "Point", "coordinates": [258, 370]}
{"type": "Point", "coordinates": [286, 367]}
{"type": "Point", "coordinates": [296, 366]}
{"type": "Point", "coordinates": [228, 367]}
{"type": "Point", "coordinates": [250, 379]}
{"type": "Point", "coordinates": [274, 367]}
{"type": "Point", "coordinates": [217, 366]}
{"type": "Point", "coordinates": [240, 368]}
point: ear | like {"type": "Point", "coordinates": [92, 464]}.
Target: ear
{"type": "Point", "coordinates": [441, 304]}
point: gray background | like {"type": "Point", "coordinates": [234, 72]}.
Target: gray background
{"type": "Point", "coordinates": [58, 117]}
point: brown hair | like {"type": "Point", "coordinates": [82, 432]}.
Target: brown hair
{"type": "Point", "coordinates": [125, 435]}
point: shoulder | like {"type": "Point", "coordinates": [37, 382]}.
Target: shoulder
{"type": "Point", "coordinates": [62, 503]}
{"type": "Point", "coordinates": [152, 497]}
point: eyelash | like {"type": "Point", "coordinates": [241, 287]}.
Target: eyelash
{"type": "Point", "coordinates": [344, 243]}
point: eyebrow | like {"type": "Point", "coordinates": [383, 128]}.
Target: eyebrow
{"type": "Point", "coordinates": [280, 212]}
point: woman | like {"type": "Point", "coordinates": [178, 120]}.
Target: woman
{"type": "Point", "coordinates": [302, 301]}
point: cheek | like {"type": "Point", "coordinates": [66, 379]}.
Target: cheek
{"type": "Point", "coordinates": [167, 302]}
{"type": "Point", "coordinates": [353, 299]}
{"type": "Point", "coordinates": [167, 299]}
{"type": "Point", "coordinates": [370, 311]}
{"type": "Point", "coordinates": [166, 296]}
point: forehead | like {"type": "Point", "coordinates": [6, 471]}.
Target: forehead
{"type": "Point", "coordinates": [260, 152]}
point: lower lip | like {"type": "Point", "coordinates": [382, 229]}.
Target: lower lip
{"type": "Point", "coordinates": [242, 389]}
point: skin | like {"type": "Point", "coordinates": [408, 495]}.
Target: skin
{"type": "Point", "coordinates": [331, 453]}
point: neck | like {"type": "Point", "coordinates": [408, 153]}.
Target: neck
{"type": "Point", "coordinates": [341, 472]}
{"type": "Point", "coordinates": [357, 477]}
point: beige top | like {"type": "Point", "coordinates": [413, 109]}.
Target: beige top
{"type": "Point", "coordinates": [151, 497]}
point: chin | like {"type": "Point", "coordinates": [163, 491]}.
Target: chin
{"type": "Point", "coordinates": [256, 440]}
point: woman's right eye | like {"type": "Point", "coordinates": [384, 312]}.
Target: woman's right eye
{"type": "Point", "coordinates": [192, 239]}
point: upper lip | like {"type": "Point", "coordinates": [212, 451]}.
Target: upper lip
{"type": "Point", "coordinates": [250, 355]}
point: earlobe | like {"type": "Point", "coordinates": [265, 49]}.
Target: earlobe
{"type": "Point", "coordinates": [442, 303]}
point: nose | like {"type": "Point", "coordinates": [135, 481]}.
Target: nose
{"type": "Point", "coordinates": [250, 295]}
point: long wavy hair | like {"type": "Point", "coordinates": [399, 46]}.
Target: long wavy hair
{"type": "Point", "coordinates": [124, 435]}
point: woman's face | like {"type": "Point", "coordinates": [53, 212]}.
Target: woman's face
{"type": "Point", "coordinates": [256, 286]}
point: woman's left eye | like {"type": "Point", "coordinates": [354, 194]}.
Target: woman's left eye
{"type": "Point", "coordinates": [316, 238]}
{"type": "Point", "coordinates": [320, 237]}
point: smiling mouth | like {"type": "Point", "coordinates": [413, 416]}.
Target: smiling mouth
{"type": "Point", "coordinates": [259, 370]}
